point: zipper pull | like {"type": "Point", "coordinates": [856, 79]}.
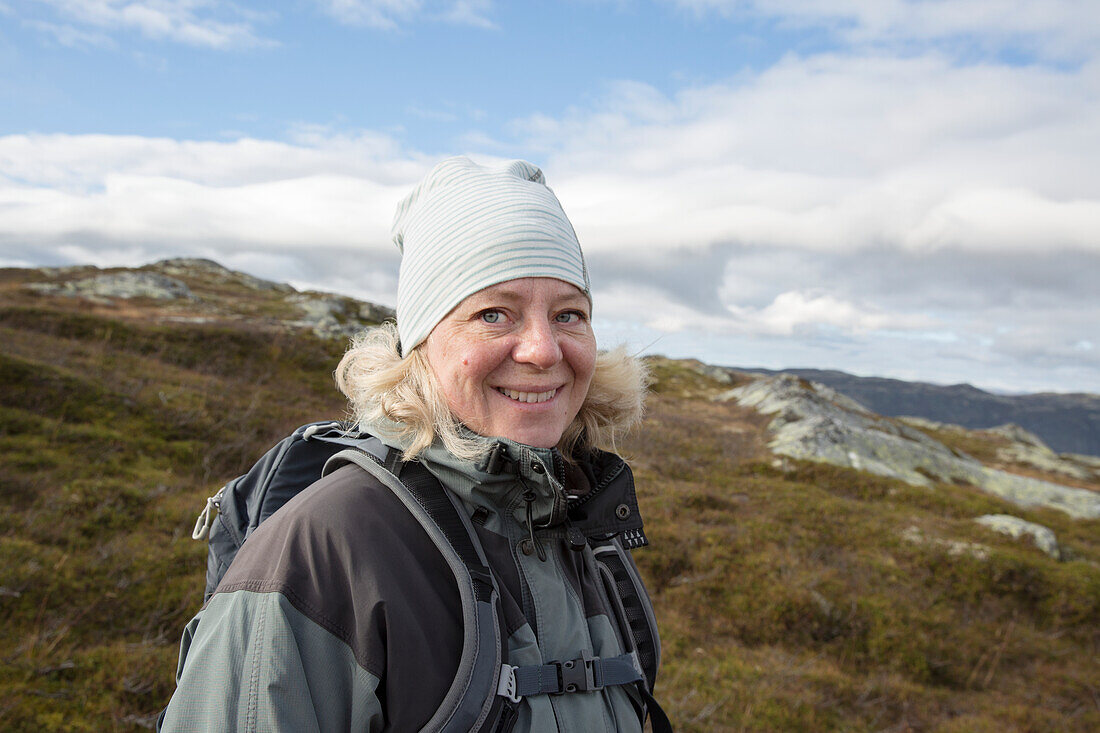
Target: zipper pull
{"type": "Point", "coordinates": [577, 540]}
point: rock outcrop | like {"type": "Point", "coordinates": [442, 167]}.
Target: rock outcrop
{"type": "Point", "coordinates": [126, 284]}
{"type": "Point", "coordinates": [194, 266]}
{"type": "Point", "coordinates": [813, 422]}
{"type": "Point", "coordinates": [335, 316]}
{"type": "Point", "coordinates": [1029, 449]}
{"type": "Point", "coordinates": [1024, 448]}
{"type": "Point", "coordinates": [1068, 423]}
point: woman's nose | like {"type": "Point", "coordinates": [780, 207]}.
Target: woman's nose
{"type": "Point", "coordinates": [538, 345]}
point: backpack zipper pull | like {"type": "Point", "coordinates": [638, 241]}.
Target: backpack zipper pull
{"type": "Point", "coordinates": [206, 517]}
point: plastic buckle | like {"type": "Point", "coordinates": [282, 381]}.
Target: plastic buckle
{"type": "Point", "coordinates": [577, 675]}
{"type": "Point", "coordinates": [507, 686]}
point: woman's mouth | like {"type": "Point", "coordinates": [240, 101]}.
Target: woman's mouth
{"type": "Point", "coordinates": [529, 397]}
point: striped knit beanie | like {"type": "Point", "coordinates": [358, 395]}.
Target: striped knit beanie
{"type": "Point", "coordinates": [466, 227]}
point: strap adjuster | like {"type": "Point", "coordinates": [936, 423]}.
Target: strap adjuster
{"type": "Point", "coordinates": [507, 686]}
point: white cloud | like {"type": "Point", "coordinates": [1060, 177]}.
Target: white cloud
{"type": "Point", "coordinates": [790, 313]}
{"type": "Point", "coordinates": [795, 311]}
{"type": "Point", "coordinates": [1052, 28]}
{"type": "Point", "coordinates": [470, 12]}
{"type": "Point", "coordinates": [81, 164]}
{"type": "Point", "coordinates": [837, 154]}
{"type": "Point", "coordinates": [861, 211]}
{"type": "Point", "coordinates": [206, 23]}
{"type": "Point", "coordinates": [384, 14]}
{"type": "Point", "coordinates": [68, 35]}
{"type": "Point", "coordinates": [391, 14]}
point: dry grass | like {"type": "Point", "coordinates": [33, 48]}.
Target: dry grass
{"type": "Point", "coordinates": [788, 598]}
{"type": "Point", "coordinates": [790, 601]}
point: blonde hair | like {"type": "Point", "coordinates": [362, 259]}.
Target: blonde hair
{"type": "Point", "coordinates": [381, 385]}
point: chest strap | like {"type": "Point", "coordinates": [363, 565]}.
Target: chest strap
{"type": "Point", "coordinates": [583, 674]}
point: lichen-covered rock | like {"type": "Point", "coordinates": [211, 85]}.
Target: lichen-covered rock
{"type": "Point", "coordinates": [1029, 449]}
{"type": "Point", "coordinates": [372, 313]}
{"type": "Point", "coordinates": [925, 424]}
{"type": "Point", "coordinates": [1017, 434]}
{"type": "Point", "coordinates": [722, 375]}
{"type": "Point", "coordinates": [1043, 537]}
{"type": "Point", "coordinates": [955, 548]}
{"type": "Point", "coordinates": [127, 284]}
{"type": "Point", "coordinates": [814, 422]}
{"type": "Point", "coordinates": [335, 316]}
{"type": "Point", "coordinates": [198, 267]}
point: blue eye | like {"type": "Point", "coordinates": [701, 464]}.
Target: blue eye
{"type": "Point", "coordinates": [491, 316]}
{"type": "Point", "coordinates": [569, 317]}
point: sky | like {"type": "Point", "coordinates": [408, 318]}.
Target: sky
{"type": "Point", "coordinates": [895, 188]}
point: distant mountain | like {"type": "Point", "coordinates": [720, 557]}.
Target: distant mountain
{"type": "Point", "coordinates": [1068, 423]}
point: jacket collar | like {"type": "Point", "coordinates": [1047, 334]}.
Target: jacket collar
{"type": "Point", "coordinates": [595, 495]}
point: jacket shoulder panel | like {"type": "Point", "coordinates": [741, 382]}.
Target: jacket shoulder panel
{"type": "Point", "coordinates": [256, 663]}
{"type": "Point", "coordinates": [350, 557]}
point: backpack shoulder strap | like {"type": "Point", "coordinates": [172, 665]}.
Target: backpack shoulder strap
{"type": "Point", "coordinates": [472, 696]}
{"type": "Point", "coordinates": [640, 621]}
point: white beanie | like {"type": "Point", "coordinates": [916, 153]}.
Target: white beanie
{"type": "Point", "coordinates": [466, 227]}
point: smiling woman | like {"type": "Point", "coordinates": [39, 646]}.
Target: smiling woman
{"type": "Point", "coordinates": [340, 612]}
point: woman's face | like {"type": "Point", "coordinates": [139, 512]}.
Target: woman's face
{"type": "Point", "coordinates": [515, 360]}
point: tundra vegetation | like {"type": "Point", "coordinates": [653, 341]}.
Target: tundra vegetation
{"type": "Point", "coordinates": [792, 595]}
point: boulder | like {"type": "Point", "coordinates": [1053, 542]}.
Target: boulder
{"type": "Point", "coordinates": [1043, 538]}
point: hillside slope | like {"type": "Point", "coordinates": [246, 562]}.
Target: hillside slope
{"type": "Point", "coordinates": [792, 595]}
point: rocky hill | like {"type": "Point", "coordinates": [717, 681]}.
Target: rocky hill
{"type": "Point", "coordinates": [1068, 423]}
{"type": "Point", "coordinates": [814, 566]}
{"type": "Point", "coordinates": [199, 291]}
{"type": "Point", "coordinates": [813, 422]}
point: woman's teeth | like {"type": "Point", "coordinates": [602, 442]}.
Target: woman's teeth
{"type": "Point", "coordinates": [527, 396]}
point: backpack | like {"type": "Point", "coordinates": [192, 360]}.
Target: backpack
{"type": "Point", "coordinates": [487, 690]}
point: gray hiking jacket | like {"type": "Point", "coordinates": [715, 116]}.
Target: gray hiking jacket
{"type": "Point", "coordinates": [339, 613]}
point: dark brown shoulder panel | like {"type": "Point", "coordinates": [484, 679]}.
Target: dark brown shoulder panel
{"type": "Point", "coordinates": [349, 556]}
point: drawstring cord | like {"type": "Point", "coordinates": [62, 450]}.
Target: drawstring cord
{"type": "Point", "coordinates": [529, 498]}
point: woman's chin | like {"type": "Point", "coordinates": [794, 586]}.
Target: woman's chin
{"type": "Point", "coordinates": [537, 435]}
{"type": "Point", "coordinates": [533, 438]}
